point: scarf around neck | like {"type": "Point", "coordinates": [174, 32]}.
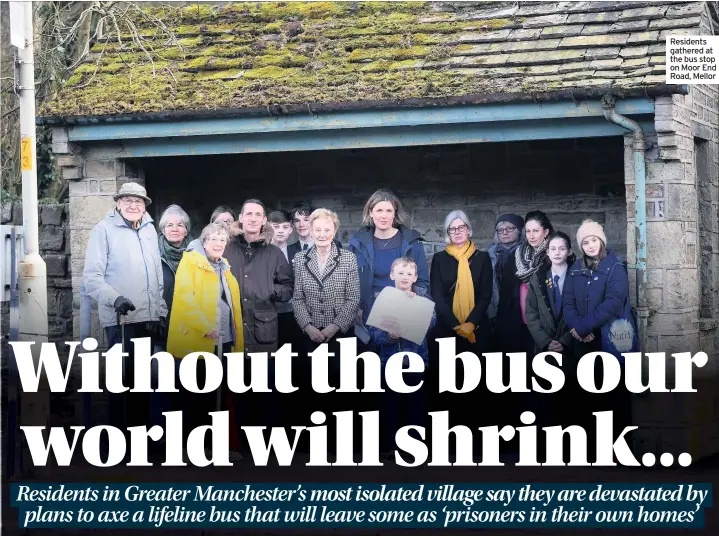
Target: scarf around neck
{"type": "Point", "coordinates": [170, 253]}
{"type": "Point", "coordinates": [529, 260]}
{"type": "Point", "coordinates": [463, 302]}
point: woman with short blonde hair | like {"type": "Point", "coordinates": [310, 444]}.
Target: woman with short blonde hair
{"type": "Point", "coordinates": [326, 293]}
{"type": "Point", "coordinates": [326, 296]}
{"type": "Point", "coordinates": [325, 213]}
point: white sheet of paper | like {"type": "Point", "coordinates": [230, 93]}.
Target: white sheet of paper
{"type": "Point", "coordinates": [412, 314]}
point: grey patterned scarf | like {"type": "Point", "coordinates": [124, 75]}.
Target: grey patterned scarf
{"type": "Point", "coordinates": [529, 260]}
{"type": "Point", "coordinates": [170, 253]}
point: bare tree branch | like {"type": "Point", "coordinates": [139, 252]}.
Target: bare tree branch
{"type": "Point", "coordinates": [65, 32]}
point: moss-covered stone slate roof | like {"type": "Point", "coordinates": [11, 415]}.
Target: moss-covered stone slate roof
{"type": "Point", "coordinates": [256, 54]}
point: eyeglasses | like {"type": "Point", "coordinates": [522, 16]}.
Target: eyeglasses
{"type": "Point", "coordinates": [458, 229]}
{"type": "Point", "coordinates": [226, 222]}
{"type": "Point", "coordinates": [130, 202]}
{"type": "Point", "coordinates": [506, 230]}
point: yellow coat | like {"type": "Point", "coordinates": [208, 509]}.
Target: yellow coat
{"type": "Point", "coordinates": [194, 306]}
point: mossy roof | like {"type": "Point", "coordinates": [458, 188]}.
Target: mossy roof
{"type": "Point", "coordinates": [256, 54]}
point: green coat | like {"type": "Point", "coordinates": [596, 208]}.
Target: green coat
{"type": "Point", "coordinates": [540, 319]}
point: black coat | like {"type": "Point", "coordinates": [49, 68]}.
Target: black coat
{"type": "Point", "coordinates": [168, 291]}
{"type": "Point", "coordinates": [543, 324]}
{"type": "Point", "coordinates": [265, 278]}
{"type": "Point", "coordinates": [443, 281]}
{"type": "Point", "coordinates": [512, 333]}
{"type": "Point", "coordinates": [168, 286]}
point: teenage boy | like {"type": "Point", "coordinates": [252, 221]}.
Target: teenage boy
{"type": "Point", "coordinates": [289, 331]}
{"type": "Point", "coordinates": [282, 230]}
{"type": "Point", "coordinates": [300, 215]}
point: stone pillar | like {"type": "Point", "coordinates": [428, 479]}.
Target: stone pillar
{"type": "Point", "coordinates": [94, 177]}
{"type": "Point", "coordinates": [672, 236]}
{"type": "Point", "coordinates": [669, 422]}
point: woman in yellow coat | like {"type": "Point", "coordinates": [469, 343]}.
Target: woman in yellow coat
{"type": "Point", "coordinates": [206, 315]}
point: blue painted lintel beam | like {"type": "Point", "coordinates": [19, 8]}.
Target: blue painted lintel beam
{"type": "Point", "coordinates": [359, 138]}
{"type": "Point", "coordinates": [365, 119]}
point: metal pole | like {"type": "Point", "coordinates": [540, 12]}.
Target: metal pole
{"type": "Point", "coordinates": [12, 385]}
{"type": "Point", "coordinates": [32, 275]}
{"type": "Point", "coordinates": [26, 92]}
{"type": "Point", "coordinates": [86, 332]}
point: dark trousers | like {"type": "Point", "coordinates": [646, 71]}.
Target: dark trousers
{"type": "Point", "coordinates": [401, 409]}
{"type": "Point", "coordinates": [129, 409]}
{"type": "Point", "coordinates": [580, 412]}
{"type": "Point", "coordinates": [258, 409]}
{"type": "Point", "coordinates": [293, 404]}
{"type": "Point", "coordinates": [196, 407]}
{"type": "Point", "coordinates": [331, 402]}
{"type": "Point", "coordinates": [289, 332]}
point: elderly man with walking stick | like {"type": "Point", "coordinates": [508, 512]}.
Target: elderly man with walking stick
{"type": "Point", "coordinates": [123, 274]}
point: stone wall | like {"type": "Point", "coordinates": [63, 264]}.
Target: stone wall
{"type": "Point", "coordinates": [569, 179]}
{"type": "Point", "coordinates": [683, 265]}
{"type": "Point", "coordinates": [55, 250]}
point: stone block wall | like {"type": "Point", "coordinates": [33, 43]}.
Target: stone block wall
{"type": "Point", "coordinates": [569, 179]}
{"type": "Point", "coordinates": [683, 265]}
{"type": "Point", "coordinates": [55, 250]}
{"type": "Point", "coordinates": [93, 177]}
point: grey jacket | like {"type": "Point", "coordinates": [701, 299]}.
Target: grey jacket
{"type": "Point", "coordinates": [121, 261]}
{"type": "Point", "coordinates": [540, 319]}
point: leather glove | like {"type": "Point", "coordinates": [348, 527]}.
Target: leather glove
{"type": "Point", "coordinates": [123, 305]}
{"type": "Point", "coordinates": [161, 328]}
{"type": "Point", "coordinates": [466, 330]}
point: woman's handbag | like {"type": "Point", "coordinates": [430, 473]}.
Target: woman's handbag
{"type": "Point", "coordinates": [620, 335]}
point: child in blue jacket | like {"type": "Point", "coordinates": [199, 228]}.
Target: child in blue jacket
{"type": "Point", "coordinates": [404, 273]}
{"type": "Point", "coordinates": [595, 292]}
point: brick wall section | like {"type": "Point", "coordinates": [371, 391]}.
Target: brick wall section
{"type": "Point", "coordinates": [55, 250]}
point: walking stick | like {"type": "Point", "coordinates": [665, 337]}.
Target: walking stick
{"type": "Point", "coordinates": [219, 351]}
{"type": "Point", "coordinates": [121, 326]}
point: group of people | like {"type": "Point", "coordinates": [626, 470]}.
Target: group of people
{"type": "Point", "coordinates": [243, 286]}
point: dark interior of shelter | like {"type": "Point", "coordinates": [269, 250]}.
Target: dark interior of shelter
{"type": "Point", "coordinates": [570, 179]}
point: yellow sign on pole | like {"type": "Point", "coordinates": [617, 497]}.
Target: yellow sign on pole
{"type": "Point", "coordinates": [26, 153]}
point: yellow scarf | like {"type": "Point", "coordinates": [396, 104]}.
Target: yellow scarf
{"type": "Point", "coordinates": [464, 290]}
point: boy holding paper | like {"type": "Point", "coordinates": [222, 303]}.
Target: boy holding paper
{"type": "Point", "coordinates": [389, 342]}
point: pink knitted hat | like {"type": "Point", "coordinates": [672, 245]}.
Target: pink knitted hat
{"type": "Point", "coordinates": [590, 228]}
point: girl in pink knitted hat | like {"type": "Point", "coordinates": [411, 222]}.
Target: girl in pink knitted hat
{"type": "Point", "coordinates": [595, 295]}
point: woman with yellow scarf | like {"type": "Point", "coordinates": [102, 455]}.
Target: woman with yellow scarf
{"type": "Point", "coordinates": [461, 282]}
{"type": "Point", "coordinates": [461, 287]}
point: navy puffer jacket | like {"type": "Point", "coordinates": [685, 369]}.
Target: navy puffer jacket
{"type": "Point", "coordinates": [591, 299]}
